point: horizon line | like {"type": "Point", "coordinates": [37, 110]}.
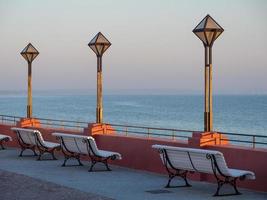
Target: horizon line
{"type": "Point", "coordinates": [126, 92]}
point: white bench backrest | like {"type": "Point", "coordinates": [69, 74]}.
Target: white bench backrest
{"type": "Point", "coordinates": [93, 145]}
{"type": "Point", "coordinates": [40, 137]}
{"type": "Point", "coordinates": [74, 143]}
{"type": "Point", "coordinates": [193, 159]}
{"type": "Point", "coordinates": [27, 135]}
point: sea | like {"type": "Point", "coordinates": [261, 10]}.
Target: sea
{"type": "Point", "coordinates": [245, 114]}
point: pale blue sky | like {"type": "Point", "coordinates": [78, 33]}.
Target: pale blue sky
{"type": "Point", "coordinates": [153, 47]}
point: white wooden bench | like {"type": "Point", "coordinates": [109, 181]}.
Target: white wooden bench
{"type": "Point", "coordinates": [4, 138]}
{"type": "Point", "coordinates": [179, 161]}
{"type": "Point", "coordinates": [32, 139]}
{"type": "Point", "coordinates": [74, 146]}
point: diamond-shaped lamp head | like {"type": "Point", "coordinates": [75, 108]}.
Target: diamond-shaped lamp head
{"type": "Point", "coordinates": [29, 53]}
{"type": "Point", "coordinates": [99, 44]}
{"type": "Point", "coordinates": [208, 30]}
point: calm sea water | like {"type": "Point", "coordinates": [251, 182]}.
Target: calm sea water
{"type": "Point", "coordinates": [240, 114]}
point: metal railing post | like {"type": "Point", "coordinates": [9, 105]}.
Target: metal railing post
{"type": "Point", "coordinates": [62, 124]}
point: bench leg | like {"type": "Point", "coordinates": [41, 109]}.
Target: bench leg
{"type": "Point", "coordinates": [79, 161]}
{"type": "Point", "coordinates": [52, 151]}
{"type": "Point", "coordinates": [65, 160]}
{"type": "Point", "coordinates": [53, 154]}
{"type": "Point", "coordinates": [106, 163]}
{"type": "Point", "coordinates": [101, 160]}
{"type": "Point", "coordinates": [220, 183]}
{"type": "Point", "coordinates": [235, 188]}
{"type": "Point", "coordinates": [42, 151]}
{"type": "Point", "coordinates": [24, 148]}
{"type": "Point", "coordinates": [67, 157]}
{"type": "Point", "coordinates": [172, 175]}
{"type": "Point", "coordinates": [2, 141]}
{"type": "Point", "coordinates": [92, 165]}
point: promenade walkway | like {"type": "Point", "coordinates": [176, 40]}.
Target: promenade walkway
{"type": "Point", "coordinates": [26, 178]}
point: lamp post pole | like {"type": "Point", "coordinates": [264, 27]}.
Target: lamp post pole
{"type": "Point", "coordinates": [99, 108]}
{"type": "Point", "coordinates": [99, 44]}
{"type": "Point", "coordinates": [208, 124]}
{"type": "Point", "coordinates": [208, 30]}
{"type": "Point", "coordinates": [29, 53]}
{"type": "Point", "coordinates": [29, 105]}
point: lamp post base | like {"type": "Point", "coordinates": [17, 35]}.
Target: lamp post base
{"type": "Point", "coordinates": [200, 139]}
{"type": "Point", "coordinates": [28, 122]}
{"type": "Point", "coordinates": [99, 129]}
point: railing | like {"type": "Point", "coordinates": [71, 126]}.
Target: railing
{"type": "Point", "coordinates": [145, 131]}
{"type": "Point", "coordinates": [64, 124]}
{"type": "Point", "coordinates": [48, 123]}
{"type": "Point", "coordinates": [11, 120]}
{"type": "Point", "coordinates": [245, 139]}
{"type": "Point", "coordinates": [141, 131]}
{"type": "Point", "coordinates": [152, 132]}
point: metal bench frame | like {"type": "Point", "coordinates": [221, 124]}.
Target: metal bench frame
{"type": "Point", "coordinates": [220, 177]}
{"type": "Point", "coordinates": [42, 149]}
{"type": "Point", "coordinates": [68, 154]}
{"type": "Point", "coordinates": [97, 159]}
{"type": "Point", "coordinates": [6, 139]}
{"type": "Point", "coordinates": [94, 158]}
{"type": "Point", "coordinates": [24, 145]}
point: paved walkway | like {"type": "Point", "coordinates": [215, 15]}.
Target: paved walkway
{"type": "Point", "coordinates": [20, 187]}
{"type": "Point", "coordinates": [49, 178]}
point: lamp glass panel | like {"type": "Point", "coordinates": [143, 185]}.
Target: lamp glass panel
{"type": "Point", "coordinates": [106, 47]}
{"type": "Point", "coordinates": [31, 49]}
{"type": "Point", "coordinates": [201, 36]}
{"type": "Point", "coordinates": [209, 35]}
{"type": "Point", "coordinates": [93, 48]}
{"type": "Point", "coordinates": [93, 41]}
{"type": "Point", "coordinates": [102, 39]}
{"type": "Point", "coordinates": [25, 49]}
{"type": "Point", "coordinates": [31, 56]}
{"type": "Point", "coordinates": [212, 24]}
{"type": "Point", "coordinates": [28, 57]}
{"type": "Point", "coordinates": [100, 49]}
{"type": "Point", "coordinates": [34, 56]}
{"type": "Point", "coordinates": [201, 25]}
{"type": "Point", "coordinates": [24, 56]}
{"type": "Point", "coordinates": [217, 35]}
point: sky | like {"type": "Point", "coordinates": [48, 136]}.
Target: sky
{"type": "Point", "coordinates": [153, 48]}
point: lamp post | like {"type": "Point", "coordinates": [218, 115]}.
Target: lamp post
{"type": "Point", "coordinates": [208, 30]}
{"type": "Point", "coordinates": [29, 53]}
{"type": "Point", "coordinates": [99, 44]}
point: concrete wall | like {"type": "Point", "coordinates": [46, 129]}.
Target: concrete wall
{"type": "Point", "coordinates": [138, 154]}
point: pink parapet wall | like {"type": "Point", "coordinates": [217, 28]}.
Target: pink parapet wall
{"type": "Point", "coordinates": [137, 152]}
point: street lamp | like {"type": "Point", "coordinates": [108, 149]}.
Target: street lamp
{"type": "Point", "coordinates": [99, 44]}
{"type": "Point", "coordinates": [208, 30]}
{"type": "Point", "coordinates": [29, 53]}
